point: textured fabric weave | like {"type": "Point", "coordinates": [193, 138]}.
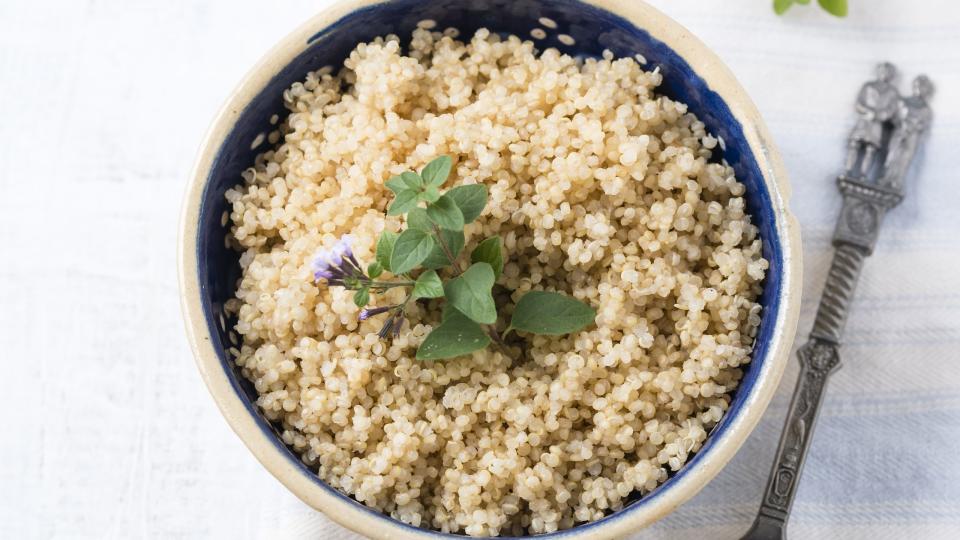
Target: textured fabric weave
{"type": "Point", "coordinates": [107, 431]}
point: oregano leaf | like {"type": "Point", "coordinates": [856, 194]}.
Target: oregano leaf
{"type": "Point", "coordinates": [490, 252]}
{"type": "Point", "coordinates": [412, 180]}
{"type": "Point", "coordinates": [429, 194]}
{"type": "Point", "coordinates": [471, 293]}
{"type": "Point", "coordinates": [469, 199]}
{"type": "Point", "coordinates": [403, 203]}
{"type": "Point", "coordinates": [454, 241]}
{"type": "Point", "coordinates": [550, 313]}
{"type": "Point", "coordinates": [837, 8]}
{"type": "Point", "coordinates": [428, 285]}
{"type": "Point", "coordinates": [437, 171]}
{"type": "Point", "coordinates": [385, 248]}
{"type": "Point", "coordinates": [410, 249]}
{"type": "Point", "coordinates": [396, 184]}
{"type": "Point", "coordinates": [781, 6]}
{"type": "Point", "coordinates": [361, 297]}
{"type": "Point", "coordinates": [417, 219]}
{"type": "Point", "coordinates": [445, 213]}
{"type": "Point", "coordinates": [456, 336]}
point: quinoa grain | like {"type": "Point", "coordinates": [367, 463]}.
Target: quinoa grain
{"type": "Point", "coordinates": [599, 187]}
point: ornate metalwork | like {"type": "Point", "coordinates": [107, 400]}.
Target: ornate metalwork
{"type": "Point", "coordinates": [837, 293]}
{"type": "Point", "coordinates": [889, 130]}
{"type": "Point", "coordinates": [876, 105]}
{"type": "Point", "coordinates": [911, 123]}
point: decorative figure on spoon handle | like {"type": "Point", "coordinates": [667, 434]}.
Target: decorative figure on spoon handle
{"type": "Point", "coordinates": [889, 129]}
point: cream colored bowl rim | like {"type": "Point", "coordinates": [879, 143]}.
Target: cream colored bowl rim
{"type": "Point", "coordinates": [352, 515]}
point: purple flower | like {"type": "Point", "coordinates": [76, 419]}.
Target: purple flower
{"type": "Point", "coordinates": [392, 326]}
{"type": "Point", "coordinates": [397, 326]}
{"type": "Point", "coordinates": [341, 249]}
{"type": "Point", "coordinates": [367, 313]}
{"type": "Point", "coordinates": [336, 263]}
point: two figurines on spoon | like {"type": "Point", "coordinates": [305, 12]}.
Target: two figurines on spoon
{"type": "Point", "coordinates": [889, 128]}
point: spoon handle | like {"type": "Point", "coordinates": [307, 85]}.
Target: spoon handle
{"type": "Point", "coordinates": [864, 205]}
{"type": "Point", "coordinates": [818, 359]}
{"type": "Point", "coordinates": [866, 200]}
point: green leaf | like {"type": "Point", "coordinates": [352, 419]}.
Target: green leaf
{"type": "Point", "coordinates": [437, 171]}
{"type": "Point", "coordinates": [412, 180]}
{"type": "Point", "coordinates": [456, 336]}
{"type": "Point", "coordinates": [385, 248]}
{"type": "Point", "coordinates": [396, 184]}
{"type": "Point", "coordinates": [550, 313]}
{"type": "Point", "coordinates": [437, 258]}
{"type": "Point", "coordinates": [837, 8]}
{"type": "Point", "coordinates": [447, 311]}
{"type": "Point", "coordinates": [429, 194]}
{"type": "Point", "coordinates": [411, 248]}
{"type": "Point", "coordinates": [445, 214]}
{"type": "Point", "coordinates": [489, 251]}
{"type": "Point", "coordinates": [405, 201]}
{"type": "Point", "coordinates": [361, 297]}
{"type": "Point", "coordinates": [469, 199]}
{"type": "Point", "coordinates": [428, 285]}
{"type": "Point", "coordinates": [374, 269]}
{"type": "Point", "coordinates": [781, 6]}
{"type": "Point", "coordinates": [470, 293]}
{"type": "Point", "coordinates": [417, 219]}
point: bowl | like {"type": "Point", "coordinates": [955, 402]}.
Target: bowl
{"type": "Point", "coordinates": [208, 270]}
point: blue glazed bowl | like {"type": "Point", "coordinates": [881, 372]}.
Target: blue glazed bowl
{"type": "Point", "coordinates": [691, 74]}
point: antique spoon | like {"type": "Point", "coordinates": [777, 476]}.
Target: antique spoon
{"type": "Point", "coordinates": [889, 128]}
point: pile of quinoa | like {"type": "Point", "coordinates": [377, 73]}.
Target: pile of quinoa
{"type": "Point", "coordinates": [599, 188]}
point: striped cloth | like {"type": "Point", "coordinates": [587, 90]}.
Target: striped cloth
{"type": "Point", "coordinates": [107, 431]}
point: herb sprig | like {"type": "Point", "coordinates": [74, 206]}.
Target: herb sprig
{"type": "Point", "coordinates": [426, 259]}
{"type": "Point", "coordinates": [834, 7]}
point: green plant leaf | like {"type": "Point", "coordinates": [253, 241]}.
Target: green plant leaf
{"type": "Point", "coordinates": [437, 258]}
{"type": "Point", "coordinates": [429, 194]}
{"type": "Point", "coordinates": [781, 6]}
{"type": "Point", "coordinates": [410, 249]}
{"type": "Point", "coordinates": [550, 313]}
{"type": "Point", "coordinates": [417, 219]}
{"type": "Point", "coordinates": [374, 269]}
{"type": "Point", "coordinates": [385, 248]}
{"type": "Point", "coordinates": [403, 203]}
{"type": "Point", "coordinates": [412, 180]}
{"type": "Point", "coordinates": [469, 199]}
{"type": "Point", "coordinates": [456, 336]}
{"type": "Point", "coordinates": [447, 311]}
{"type": "Point", "coordinates": [396, 184]}
{"type": "Point", "coordinates": [490, 252]}
{"type": "Point", "coordinates": [445, 213]}
{"type": "Point", "coordinates": [437, 171]}
{"type": "Point", "coordinates": [361, 297]}
{"type": "Point", "coordinates": [837, 8]}
{"type": "Point", "coordinates": [428, 285]}
{"type": "Point", "coordinates": [471, 293]}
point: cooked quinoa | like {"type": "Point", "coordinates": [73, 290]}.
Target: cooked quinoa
{"type": "Point", "coordinates": [599, 187]}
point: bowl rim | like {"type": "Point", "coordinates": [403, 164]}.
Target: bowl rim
{"type": "Point", "coordinates": [358, 517]}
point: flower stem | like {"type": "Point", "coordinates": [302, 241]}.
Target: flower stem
{"type": "Point", "coordinates": [389, 284]}
{"type": "Point", "coordinates": [494, 335]}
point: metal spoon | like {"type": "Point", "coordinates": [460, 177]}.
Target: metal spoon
{"type": "Point", "coordinates": [881, 147]}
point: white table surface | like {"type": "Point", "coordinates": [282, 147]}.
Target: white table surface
{"type": "Point", "coordinates": [107, 430]}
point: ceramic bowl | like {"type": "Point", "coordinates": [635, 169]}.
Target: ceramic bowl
{"type": "Point", "coordinates": [691, 74]}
